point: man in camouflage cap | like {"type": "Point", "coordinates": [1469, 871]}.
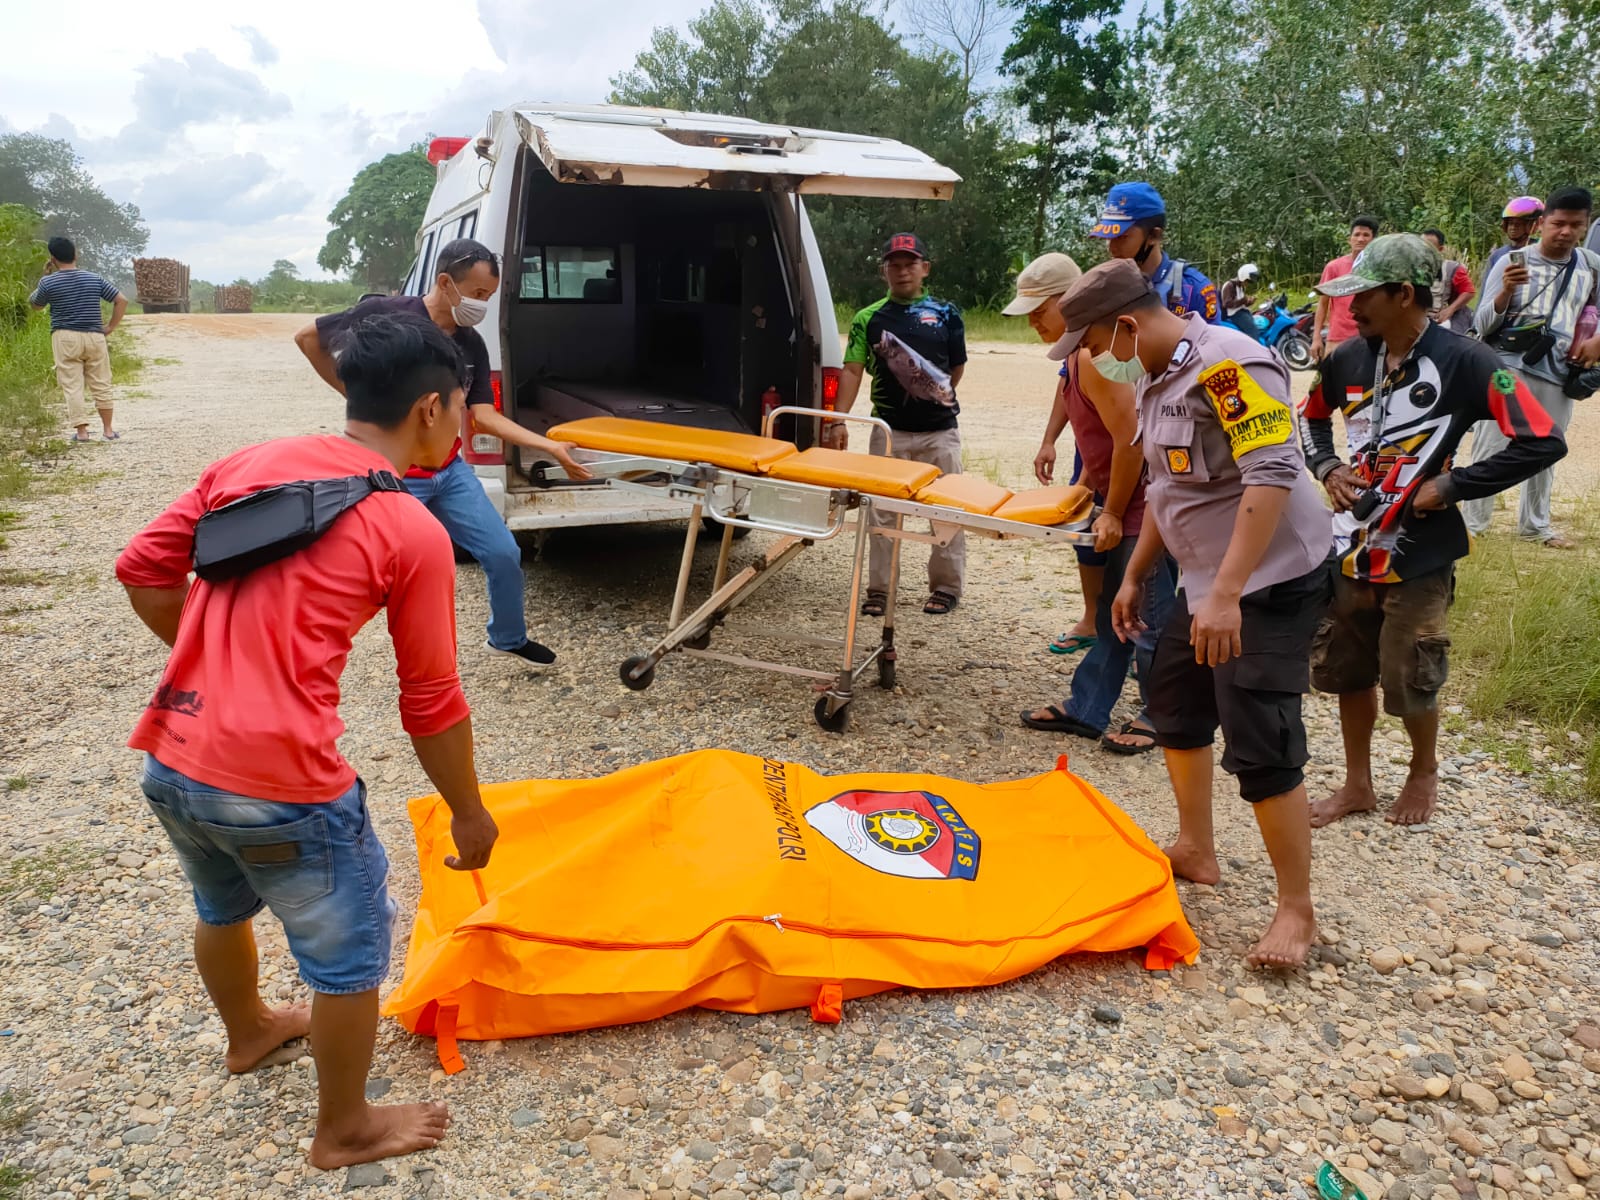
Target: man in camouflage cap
{"type": "Point", "coordinates": [1409, 390]}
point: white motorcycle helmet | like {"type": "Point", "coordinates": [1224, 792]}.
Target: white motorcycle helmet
{"type": "Point", "coordinates": [1248, 272]}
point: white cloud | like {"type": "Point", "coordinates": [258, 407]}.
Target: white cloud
{"type": "Point", "coordinates": [233, 189]}
{"type": "Point", "coordinates": [262, 52]}
{"type": "Point", "coordinates": [236, 139]}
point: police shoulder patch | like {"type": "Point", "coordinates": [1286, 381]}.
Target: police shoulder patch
{"type": "Point", "coordinates": [1252, 417]}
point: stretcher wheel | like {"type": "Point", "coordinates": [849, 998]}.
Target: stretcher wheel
{"type": "Point", "coordinates": [699, 641]}
{"type": "Point", "coordinates": [637, 682]}
{"type": "Point", "coordinates": [886, 674]}
{"type": "Point", "coordinates": [834, 723]}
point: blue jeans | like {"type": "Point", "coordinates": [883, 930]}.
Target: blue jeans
{"type": "Point", "coordinates": [456, 497]}
{"type": "Point", "coordinates": [319, 867]}
{"type": "Point", "coordinates": [1097, 683]}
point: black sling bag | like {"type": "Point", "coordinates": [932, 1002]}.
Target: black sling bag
{"type": "Point", "coordinates": [277, 521]}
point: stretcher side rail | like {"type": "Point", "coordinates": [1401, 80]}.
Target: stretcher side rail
{"type": "Point", "coordinates": [806, 513]}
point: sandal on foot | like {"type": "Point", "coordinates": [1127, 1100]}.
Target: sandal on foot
{"type": "Point", "coordinates": [81, 441]}
{"type": "Point", "coordinates": [1071, 643]}
{"type": "Point", "coordinates": [940, 603]}
{"type": "Point", "coordinates": [1132, 727]}
{"type": "Point", "coordinates": [1059, 722]}
{"type": "Point", "coordinates": [113, 436]}
{"type": "Point", "coordinates": [874, 604]}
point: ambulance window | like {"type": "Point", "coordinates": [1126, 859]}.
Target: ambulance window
{"type": "Point", "coordinates": [424, 262]}
{"type": "Point", "coordinates": [468, 226]}
{"type": "Point", "coordinates": [582, 274]}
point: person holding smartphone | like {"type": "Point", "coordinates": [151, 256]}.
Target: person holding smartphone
{"type": "Point", "coordinates": [1533, 301]}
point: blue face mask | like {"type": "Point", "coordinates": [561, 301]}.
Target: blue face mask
{"type": "Point", "coordinates": [1116, 370]}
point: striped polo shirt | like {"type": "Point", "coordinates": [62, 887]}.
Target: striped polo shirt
{"type": "Point", "coordinates": [74, 298]}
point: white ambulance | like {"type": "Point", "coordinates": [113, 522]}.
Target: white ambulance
{"type": "Point", "coordinates": [657, 265]}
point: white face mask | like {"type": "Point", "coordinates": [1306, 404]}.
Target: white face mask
{"type": "Point", "coordinates": [1116, 370]}
{"type": "Point", "coordinates": [467, 311]}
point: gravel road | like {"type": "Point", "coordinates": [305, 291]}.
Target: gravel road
{"type": "Point", "coordinates": [1445, 1041]}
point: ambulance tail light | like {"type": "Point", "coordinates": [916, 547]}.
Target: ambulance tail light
{"type": "Point", "coordinates": [830, 387]}
{"type": "Point", "coordinates": [483, 449]}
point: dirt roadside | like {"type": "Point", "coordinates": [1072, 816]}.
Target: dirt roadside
{"type": "Point", "coordinates": [1446, 1039]}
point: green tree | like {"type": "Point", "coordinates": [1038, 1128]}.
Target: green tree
{"type": "Point", "coordinates": [834, 64]}
{"type": "Point", "coordinates": [716, 67]}
{"type": "Point", "coordinates": [47, 176]}
{"type": "Point", "coordinates": [1555, 137]}
{"type": "Point", "coordinates": [22, 262]}
{"type": "Point", "coordinates": [375, 223]}
{"type": "Point", "coordinates": [1065, 63]}
{"type": "Point", "coordinates": [1276, 121]}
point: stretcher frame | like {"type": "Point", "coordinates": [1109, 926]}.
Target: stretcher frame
{"type": "Point", "coordinates": [740, 500]}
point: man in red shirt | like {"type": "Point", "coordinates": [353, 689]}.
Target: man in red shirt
{"type": "Point", "coordinates": [242, 767]}
{"type": "Point", "coordinates": [1334, 323]}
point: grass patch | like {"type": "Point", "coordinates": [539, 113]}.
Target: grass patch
{"type": "Point", "coordinates": [17, 1108]}
{"type": "Point", "coordinates": [12, 1181]}
{"type": "Point", "coordinates": [43, 874]}
{"type": "Point", "coordinates": [16, 783]}
{"type": "Point", "coordinates": [1527, 642]}
{"type": "Point", "coordinates": [32, 412]}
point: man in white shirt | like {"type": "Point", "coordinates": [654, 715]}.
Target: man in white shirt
{"type": "Point", "coordinates": [1532, 300]}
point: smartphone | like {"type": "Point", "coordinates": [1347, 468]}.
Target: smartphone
{"type": "Point", "coordinates": [1517, 258]}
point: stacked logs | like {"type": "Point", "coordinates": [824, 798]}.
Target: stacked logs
{"type": "Point", "coordinates": [235, 298]}
{"type": "Point", "coordinates": [161, 281]}
{"type": "Point", "coordinates": [162, 284]}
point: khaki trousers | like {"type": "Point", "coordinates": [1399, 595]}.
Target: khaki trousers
{"type": "Point", "coordinates": [81, 359]}
{"type": "Point", "coordinates": [947, 565]}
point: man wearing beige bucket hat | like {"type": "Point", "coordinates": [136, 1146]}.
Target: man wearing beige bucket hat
{"type": "Point", "coordinates": [1106, 459]}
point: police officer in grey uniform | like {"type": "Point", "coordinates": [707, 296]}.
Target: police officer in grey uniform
{"type": "Point", "coordinates": [1230, 499]}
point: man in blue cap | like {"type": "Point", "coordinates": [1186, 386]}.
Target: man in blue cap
{"type": "Point", "coordinates": [1134, 225]}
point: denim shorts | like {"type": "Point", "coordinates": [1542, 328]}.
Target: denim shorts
{"type": "Point", "coordinates": [319, 867]}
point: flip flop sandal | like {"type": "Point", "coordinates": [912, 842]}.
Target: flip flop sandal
{"type": "Point", "coordinates": [1132, 726]}
{"type": "Point", "coordinates": [940, 603]}
{"type": "Point", "coordinates": [875, 604]}
{"type": "Point", "coordinates": [113, 436]}
{"type": "Point", "coordinates": [1059, 722]}
{"type": "Point", "coordinates": [81, 441]}
{"type": "Point", "coordinates": [1072, 643]}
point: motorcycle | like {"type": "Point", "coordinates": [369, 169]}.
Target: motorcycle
{"type": "Point", "coordinates": [1285, 332]}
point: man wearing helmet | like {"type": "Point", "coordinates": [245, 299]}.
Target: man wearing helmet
{"type": "Point", "coordinates": [1519, 221]}
{"type": "Point", "coordinates": [1238, 299]}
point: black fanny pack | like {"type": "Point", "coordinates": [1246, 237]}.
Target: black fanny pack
{"type": "Point", "coordinates": [277, 521]}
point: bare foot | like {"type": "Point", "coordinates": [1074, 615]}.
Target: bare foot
{"type": "Point", "coordinates": [1194, 863]}
{"type": "Point", "coordinates": [279, 1025]}
{"type": "Point", "coordinates": [1416, 801]}
{"type": "Point", "coordinates": [385, 1131]}
{"type": "Point", "coordinates": [1351, 798]}
{"type": "Point", "coordinates": [1287, 940]}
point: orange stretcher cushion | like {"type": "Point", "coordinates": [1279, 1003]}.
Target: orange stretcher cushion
{"type": "Point", "coordinates": [1048, 505]}
{"type": "Point", "coordinates": [752, 885]}
{"type": "Point", "coordinates": [685, 443]}
{"type": "Point", "coordinates": [875, 474]}
{"type": "Point", "coordinates": [969, 493]}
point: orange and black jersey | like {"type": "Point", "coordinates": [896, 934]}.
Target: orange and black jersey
{"type": "Point", "coordinates": [1445, 385]}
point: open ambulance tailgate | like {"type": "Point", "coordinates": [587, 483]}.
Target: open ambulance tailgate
{"type": "Point", "coordinates": [659, 148]}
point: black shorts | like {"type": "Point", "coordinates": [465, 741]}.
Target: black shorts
{"type": "Point", "coordinates": [1254, 698]}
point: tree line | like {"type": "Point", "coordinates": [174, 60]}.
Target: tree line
{"type": "Point", "coordinates": [1266, 124]}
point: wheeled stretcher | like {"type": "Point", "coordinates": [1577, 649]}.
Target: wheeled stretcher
{"type": "Point", "coordinates": [742, 481]}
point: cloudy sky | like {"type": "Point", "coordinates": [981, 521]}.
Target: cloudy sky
{"type": "Point", "coordinates": [236, 126]}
